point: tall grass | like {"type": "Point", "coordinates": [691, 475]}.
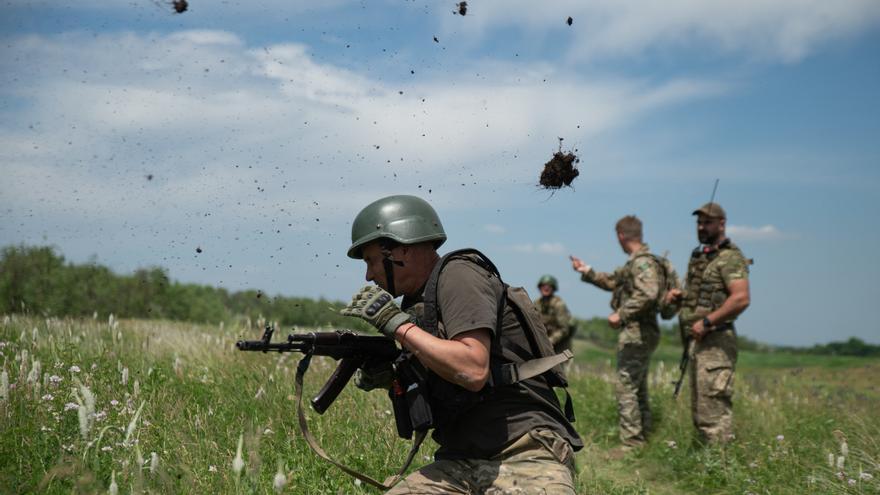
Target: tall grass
{"type": "Point", "coordinates": [162, 407]}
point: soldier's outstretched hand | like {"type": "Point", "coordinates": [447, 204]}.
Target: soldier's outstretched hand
{"type": "Point", "coordinates": [672, 295]}
{"type": "Point", "coordinates": [578, 265]}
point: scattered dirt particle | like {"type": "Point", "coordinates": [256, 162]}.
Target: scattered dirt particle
{"type": "Point", "coordinates": [436, 40]}
{"type": "Point", "coordinates": [569, 21]}
{"type": "Point", "coordinates": [199, 250]}
{"type": "Point", "coordinates": [462, 8]}
{"type": "Point", "coordinates": [149, 176]}
{"type": "Point", "coordinates": [180, 6]}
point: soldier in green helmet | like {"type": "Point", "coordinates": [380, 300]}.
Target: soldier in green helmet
{"type": "Point", "coordinates": [716, 291]}
{"type": "Point", "coordinates": [492, 436]}
{"type": "Point", "coordinates": [554, 312]}
{"type": "Point", "coordinates": [637, 288]}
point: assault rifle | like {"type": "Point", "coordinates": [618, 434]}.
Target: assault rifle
{"type": "Point", "coordinates": [350, 349]}
{"type": "Point", "coordinates": [682, 365]}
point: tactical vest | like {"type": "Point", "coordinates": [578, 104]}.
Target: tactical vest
{"type": "Point", "coordinates": [706, 290]}
{"type": "Point", "coordinates": [447, 400]}
{"type": "Point", "coordinates": [626, 284]}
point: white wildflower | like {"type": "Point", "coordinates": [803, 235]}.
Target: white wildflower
{"type": "Point", "coordinates": [280, 479]}
{"type": "Point", "coordinates": [4, 385]}
{"type": "Point", "coordinates": [865, 476]}
{"type": "Point", "coordinates": [55, 379]}
{"type": "Point", "coordinates": [154, 462]}
{"type": "Point", "coordinates": [95, 315]}
{"type": "Point", "coordinates": [124, 376]}
{"type": "Point", "coordinates": [45, 428]}
{"type": "Point", "coordinates": [48, 397]}
{"type": "Point", "coordinates": [844, 448]}
{"type": "Point", "coordinates": [851, 482]}
{"type": "Point", "coordinates": [70, 406]}
{"type": "Point", "coordinates": [260, 393]}
{"type": "Point", "coordinates": [238, 463]}
{"type": "Point", "coordinates": [780, 438]}
{"type": "Point", "coordinates": [33, 377]}
{"type": "Point", "coordinates": [840, 461]}
{"type": "Point", "coordinates": [94, 366]}
{"type": "Point", "coordinates": [671, 444]}
{"type": "Point", "coordinates": [100, 416]}
{"type": "Point", "coordinates": [106, 448]}
{"type": "Point", "coordinates": [212, 468]}
{"type": "Point", "coordinates": [137, 388]}
{"type": "Point", "coordinates": [268, 431]}
{"type": "Point", "coordinates": [357, 482]}
{"type": "Point", "coordinates": [114, 488]}
{"type": "Point", "coordinates": [138, 457]}
{"type": "Point", "coordinates": [74, 369]}
{"type": "Point", "coordinates": [114, 402]}
{"type": "Point", "coordinates": [830, 460]}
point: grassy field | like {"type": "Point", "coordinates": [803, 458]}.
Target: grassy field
{"type": "Point", "coordinates": [91, 406]}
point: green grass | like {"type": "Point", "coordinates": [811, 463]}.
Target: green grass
{"type": "Point", "coordinates": [200, 396]}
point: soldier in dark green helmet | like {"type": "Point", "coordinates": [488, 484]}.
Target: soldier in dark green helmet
{"type": "Point", "coordinates": [493, 437]}
{"type": "Point", "coordinates": [554, 312]}
{"type": "Point", "coordinates": [715, 293]}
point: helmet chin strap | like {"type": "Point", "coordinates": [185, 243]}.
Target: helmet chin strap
{"type": "Point", "coordinates": [388, 263]}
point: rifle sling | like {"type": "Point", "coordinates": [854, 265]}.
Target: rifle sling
{"type": "Point", "coordinates": [418, 437]}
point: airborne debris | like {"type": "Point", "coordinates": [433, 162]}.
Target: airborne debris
{"type": "Point", "coordinates": [149, 176]}
{"type": "Point", "coordinates": [180, 6]}
{"type": "Point", "coordinates": [569, 20]}
{"type": "Point", "coordinates": [462, 8]}
{"type": "Point", "coordinates": [436, 40]}
{"type": "Point", "coordinates": [199, 250]}
{"type": "Point", "coordinates": [560, 170]}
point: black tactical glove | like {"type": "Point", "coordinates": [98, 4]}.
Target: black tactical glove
{"type": "Point", "coordinates": [376, 306]}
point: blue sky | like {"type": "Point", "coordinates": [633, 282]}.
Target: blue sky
{"type": "Point", "coordinates": [267, 125]}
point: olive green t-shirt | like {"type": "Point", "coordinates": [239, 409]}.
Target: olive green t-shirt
{"type": "Point", "coordinates": [468, 298]}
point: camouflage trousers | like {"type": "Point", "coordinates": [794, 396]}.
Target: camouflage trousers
{"type": "Point", "coordinates": [711, 375]}
{"type": "Point", "coordinates": [539, 462]}
{"type": "Point", "coordinates": [634, 351]}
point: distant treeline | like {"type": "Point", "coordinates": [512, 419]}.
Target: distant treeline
{"type": "Point", "coordinates": [37, 280]}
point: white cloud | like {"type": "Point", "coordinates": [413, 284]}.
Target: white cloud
{"type": "Point", "coordinates": [550, 248]}
{"type": "Point", "coordinates": [495, 229]}
{"type": "Point", "coordinates": [748, 233]}
{"type": "Point", "coordinates": [787, 30]}
{"type": "Point", "coordinates": [223, 126]}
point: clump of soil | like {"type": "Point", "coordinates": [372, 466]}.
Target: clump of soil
{"type": "Point", "coordinates": [462, 8]}
{"type": "Point", "coordinates": [560, 170]}
{"type": "Point", "coordinates": [180, 6]}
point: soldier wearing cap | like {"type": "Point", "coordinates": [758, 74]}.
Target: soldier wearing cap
{"type": "Point", "coordinates": [555, 314]}
{"type": "Point", "coordinates": [493, 437]}
{"type": "Point", "coordinates": [716, 291]}
{"type": "Point", "coordinates": [636, 288]}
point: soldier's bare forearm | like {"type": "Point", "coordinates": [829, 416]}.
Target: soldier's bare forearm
{"type": "Point", "coordinates": [737, 302]}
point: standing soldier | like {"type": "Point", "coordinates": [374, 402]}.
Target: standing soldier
{"type": "Point", "coordinates": [637, 286]}
{"type": "Point", "coordinates": [554, 313]}
{"type": "Point", "coordinates": [715, 293]}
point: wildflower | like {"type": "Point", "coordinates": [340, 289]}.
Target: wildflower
{"type": "Point", "coordinates": [238, 463]}
{"type": "Point", "coordinates": [94, 366]}
{"type": "Point", "coordinates": [74, 369]}
{"type": "Point", "coordinates": [70, 406]}
{"type": "Point", "coordinates": [55, 379]}
{"type": "Point", "coordinates": [154, 462]}
{"type": "Point", "coordinates": [106, 448]}
{"type": "Point", "coordinates": [212, 469]}
{"type": "Point", "coordinates": [124, 376]}
{"type": "Point", "coordinates": [114, 488]}
{"type": "Point", "coordinates": [280, 479]}
{"type": "Point", "coordinates": [268, 431]}
{"type": "Point", "coordinates": [45, 428]}
{"type": "Point", "coordinates": [780, 438]}
{"type": "Point", "coordinates": [840, 462]}
{"type": "Point", "coordinates": [851, 482]}
{"type": "Point", "coordinates": [671, 444]}
{"type": "Point", "coordinates": [844, 448]}
{"type": "Point", "coordinates": [357, 482]}
{"type": "Point", "coordinates": [100, 416]}
{"type": "Point", "coordinates": [4, 385]}
{"type": "Point", "coordinates": [753, 464]}
{"type": "Point", "coordinates": [830, 460]}
{"type": "Point", "coordinates": [260, 393]}
{"type": "Point", "coordinates": [48, 397]}
{"type": "Point", "coordinates": [137, 388]}
{"type": "Point", "coordinates": [865, 476]}
{"type": "Point", "coordinates": [114, 402]}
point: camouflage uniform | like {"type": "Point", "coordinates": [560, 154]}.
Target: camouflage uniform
{"type": "Point", "coordinates": [557, 321]}
{"type": "Point", "coordinates": [713, 359]}
{"type": "Point", "coordinates": [636, 287]}
{"type": "Point", "coordinates": [539, 462]}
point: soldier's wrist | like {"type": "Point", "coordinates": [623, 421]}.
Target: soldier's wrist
{"type": "Point", "coordinates": [390, 327]}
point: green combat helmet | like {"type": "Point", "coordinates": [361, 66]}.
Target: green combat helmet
{"type": "Point", "coordinates": [549, 280]}
{"type": "Point", "coordinates": [403, 219]}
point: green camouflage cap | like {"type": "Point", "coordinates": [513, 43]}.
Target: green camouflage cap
{"type": "Point", "coordinates": [713, 210]}
{"type": "Point", "coordinates": [549, 280]}
{"type": "Point", "coordinates": [401, 218]}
